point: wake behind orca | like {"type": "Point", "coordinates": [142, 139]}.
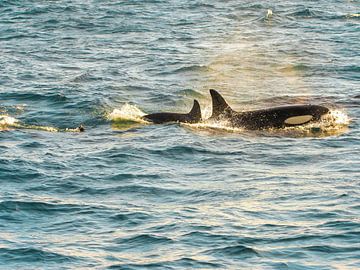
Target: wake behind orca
{"type": "Point", "coordinates": [274, 117]}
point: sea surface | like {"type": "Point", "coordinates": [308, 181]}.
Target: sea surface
{"type": "Point", "coordinates": [126, 194]}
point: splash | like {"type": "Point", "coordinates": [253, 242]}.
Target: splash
{"type": "Point", "coordinates": [126, 112]}
{"type": "Point", "coordinates": [6, 120]}
{"type": "Point", "coordinates": [336, 117]}
{"type": "Point", "coordinates": [127, 117]}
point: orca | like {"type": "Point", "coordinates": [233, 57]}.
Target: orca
{"type": "Point", "coordinates": [193, 116]}
{"type": "Point", "coordinates": [274, 117]}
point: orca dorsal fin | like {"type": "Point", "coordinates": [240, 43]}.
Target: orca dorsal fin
{"type": "Point", "coordinates": [195, 113]}
{"type": "Point", "coordinates": [219, 105]}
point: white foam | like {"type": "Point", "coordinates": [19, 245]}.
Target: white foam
{"type": "Point", "coordinates": [269, 14]}
{"type": "Point", "coordinates": [215, 125]}
{"type": "Point", "coordinates": [337, 117]}
{"type": "Point", "coordinates": [126, 112]}
{"type": "Point", "coordinates": [6, 120]}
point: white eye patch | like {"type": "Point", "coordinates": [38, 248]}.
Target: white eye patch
{"type": "Point", "coordinates": [298, 120]}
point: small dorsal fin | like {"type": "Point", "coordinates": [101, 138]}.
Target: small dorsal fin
{"type": "Point", "coordinates": [219, 105]}
{"type": "Point", "coordinates": [195, 113]}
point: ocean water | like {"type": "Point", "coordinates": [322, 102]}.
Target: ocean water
{"type": "Point", "coordinates": [126, 194]}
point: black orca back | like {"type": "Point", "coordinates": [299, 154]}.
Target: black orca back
{"type": "Point", "coordinates": [193, 116]}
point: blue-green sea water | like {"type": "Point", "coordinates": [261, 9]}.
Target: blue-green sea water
{"type": "Point", "coordinates": [126, 194]}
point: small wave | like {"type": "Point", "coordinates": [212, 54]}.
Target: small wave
{"type": "Point", "coordinates": [131, 219]}
{"type": "Point", "coordinates": [186, 69]}
{"type": "Point", "coordinates": [239, 251]}
{"type": "Point", "coordinates": [179, 150]}
{"type": "Point", "coordinates": [332, 249]}
{"type": "Point", "coordinates": [133, 266]}
{"type": "Point", "coordinates": [82, 77]}
{"type": "Point", "coordinates": [294, 67]}
{"type": "Point", "coordinates": [53, 97]}
{"type": "Point", "coordinates": [304, 12]}
{"type": "Point", "coordinates": [206, 237]}
{"type": "Point", "coordinates": [182, 263]}
{"type": "Point", "coordinates": [135, 189]}
{"type": "Point", "coordinates": [39, 207]}
{"type": "Point", "coordinates": [341, 224]}
{"type": "Point", "coordinates": [143, 239]}
{"type": "Point", "coordinates": [190, 92]}
{"type": "Point", "coordinates": [33, 255]}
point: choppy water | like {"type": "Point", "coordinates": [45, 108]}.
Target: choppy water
{"type": "Point", "coordinates": [129, 195]}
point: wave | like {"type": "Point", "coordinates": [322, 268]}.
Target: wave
{"type": "Point", "coordinates": [190, 93]}
{"type": "Point", "coordinates": [132, 218]}
{"type": "Point", "coordinates": [331, 249]}
{"type": "Point", "coordinates": [240, 251]}
{"type": "Point", "coordinates": [186, 69]}
{"type": "Point", "coordinates": [143, 239]}
{"type": "Point", "coordinates": [54, 97]}
{"type": "Point", "coordinates": [303, 12]}
{"type": "Point", "coordinates": [33, 255]}
{"type": "Point", "coordinates": [182, 263]}
{"type": "Point", "coordinates": [32, 207]}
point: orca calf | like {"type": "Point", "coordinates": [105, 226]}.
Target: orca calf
{"type": "Point", "coordinates": [275, 117]}
{"type": "Point", "coordinates": [193, 116]}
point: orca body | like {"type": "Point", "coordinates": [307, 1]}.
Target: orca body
{"type": "Point", "coordinates": [275, 117]}
{"type": "Point", "coordinates": [193, 116]}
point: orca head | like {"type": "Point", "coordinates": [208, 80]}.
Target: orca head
{"type": "Point", "coordinates": [219, 105]}
{"type": "Point", "coordinates": [317, 111]}
{"type": "Point", "coordinates": [308, 113]}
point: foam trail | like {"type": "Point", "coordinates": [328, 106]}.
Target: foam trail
{"type": "Point", "coordinates": [7, 122]}
{"type": "Point", "coordinates": [354, 15]}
